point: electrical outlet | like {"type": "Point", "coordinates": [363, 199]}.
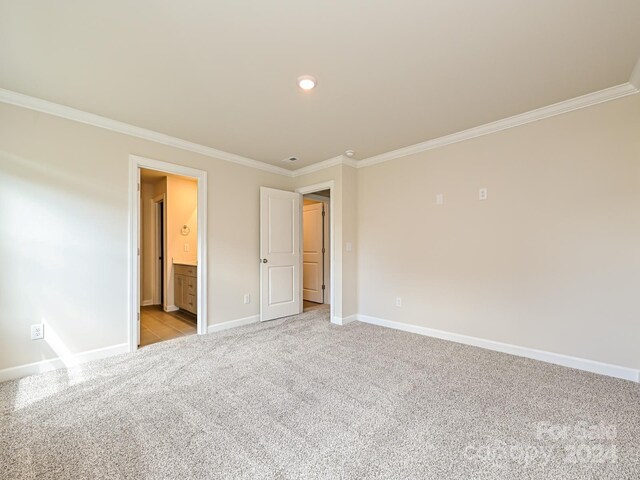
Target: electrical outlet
{"type": "Point", "coordinates": [440, 199]}
{"type": "Point", "coordinates": [247, 298]}
{"type": "Point", "coordinates": [398, 301]}
{"type": "Point", "coordinates": [37, 331]}
{"type": "Point", "coordinates": [349, 246]}
{"type": "Point", "coordinates": [483, 194]}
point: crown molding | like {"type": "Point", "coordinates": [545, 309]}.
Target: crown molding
{"type": "Point", "coordinates": [339, 160]}
{"type": "Point", "coordinates": [51, 108]}
{"type": "Point", "coordinates": [532, 116]}
{"type": "Point", "coordinates": [44, 106]}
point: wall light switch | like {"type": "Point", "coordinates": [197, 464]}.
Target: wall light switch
{"type": "Point", "coordinates": [440, 199]}
{"type": "Point", "coordinates": [483, 194]}
{"type": "Point", "coordinates": [186, 247]}
{"type": "Point", "coordinates": [349, 247]}
{"type": "Point", "coordinates": [247, 298]}
{"type": "Point", "coordinates": [37, 331]}
{"type": "Point", "coordinates": [398, 301]}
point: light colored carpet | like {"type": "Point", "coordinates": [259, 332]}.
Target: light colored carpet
{"type": "Point", "coordinates": [301, 398]}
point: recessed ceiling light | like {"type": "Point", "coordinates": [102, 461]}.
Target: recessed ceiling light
{"type": "Point", "coordinates": [306, 82]}
{"type": "Point", "coordinates": [349, 153]}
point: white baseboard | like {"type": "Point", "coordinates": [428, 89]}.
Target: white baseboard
{"type": "Point", "coordinates": [171, 308]}
{"type": "Point", "coordinates": [344, 320]}
{"type": "Point", "coordinates": [593, 366]}
{"type": "Point", "coordinates": [219, 327]}
{"type": "Point", "coordinates": [56, 363]}
{"type": "Point", "coordinates": [146, 303]}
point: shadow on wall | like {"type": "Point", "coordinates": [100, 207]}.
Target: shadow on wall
{"type": "Point", "coordinates": [63, 240]}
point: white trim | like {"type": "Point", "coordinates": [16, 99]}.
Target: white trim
{"type": "Point", "coordinates": [345, 320]}
{"type": "Point", "coordinates": [634, 80]}
{"type": "Point", "coordinates": [318, 187]}
{"type": "Point", "coordinates": [146, 303]}
{"type": "Point", "coordinates": [510, 122]}
{"type": "Point", "coordinates": [57, 363]}
{"type": "Point", "coordinates": [593, 366]}
{"type": "Point", "coordinates": [317, 198]}
{"type": "Point", "coordinates": [594, 98]}
{"type": "Point", "coordinates": [135, 163]}
{"type": "Point", "coordinates": [326, 255]}
{"type": "Point", "coordinates": [44, 106]}
{"type": "Point", "coordinates": [158, 286]}
{"type": "Point", "coordinates": [339, 160]}
{"type": "Point", "coordinates": [219, 327]}
{"type": "Point", "coordinates": [171, 308]}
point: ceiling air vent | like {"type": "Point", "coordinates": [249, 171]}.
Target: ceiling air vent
{"type": "Point", "coordinates": [290, 159]}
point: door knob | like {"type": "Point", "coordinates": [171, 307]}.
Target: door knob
{"type": "Point", "coordinates": [264, 260]}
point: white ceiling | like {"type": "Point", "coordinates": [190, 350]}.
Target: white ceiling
{"type": "Point", "coordinates": [390, 74]}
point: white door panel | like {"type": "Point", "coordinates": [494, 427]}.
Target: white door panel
{"type": "Point", "coordinates": [280, 214]}
{"type": "Point", "coordinates": [311, 276]}
{"type": "Point", "coordinates": [281, 284]}
{"type": "Point", "coordinates": [313, 269]}
{"type": "Point", "coordinates": [279, 253]}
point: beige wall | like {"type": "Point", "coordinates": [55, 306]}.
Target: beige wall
{"type": "Point", "coordinates": [182, 209]}
{"type": "Point", "coordinates": [64, 232]}
{"type": "Point", "coordinates": [147, 257]}
{"type": "Point", "coordinates": [350, 234]}
{"type": "Point", "coordinates": [182, 203]}
{"type": "Point", "coordinates": [550, 261]}
{"type": "Point", "coordinates": [160, 189]}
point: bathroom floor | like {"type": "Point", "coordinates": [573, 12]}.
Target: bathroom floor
{"type": "Point", "coordinates": [157, 325]}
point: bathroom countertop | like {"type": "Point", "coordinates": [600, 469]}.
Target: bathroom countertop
{"type": "Point", "coordinates": [186, 262]}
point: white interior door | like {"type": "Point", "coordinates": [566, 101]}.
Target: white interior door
{"type": "Point", "coordinates": [279, 253]}
{"type": "Point", "coordinates": [312, 261]}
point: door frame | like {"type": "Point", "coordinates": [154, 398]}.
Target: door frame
{"type": "Point", "coordinates": [326, 258]}
{"type": "Point", "coordinates": [135, 164]}
{"type": "Point", "coordinates": [159, 279]}
{"type": "Point", "coordinates": [318, 187]}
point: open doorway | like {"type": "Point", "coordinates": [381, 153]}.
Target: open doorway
{"type": "Point", "coordinates": [168, 256]}
{"type": "Point", "coordinates": [168, 251]}
{"type": "Point", "coordinates": [281, 252]}
{"type": "Point", "coordinates": [316, 264]}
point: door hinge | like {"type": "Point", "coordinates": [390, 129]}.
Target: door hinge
{"type": "Point", "coordinates": [138, 250]}
{"type": "Point", "coordinates": [322, 249]}
{"type": "Point", "coordinates": [323, 212]}
{"type": "Point", "coordinates": [323, 287]}
{"type": "Point", "coordinates": [138, 187]}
